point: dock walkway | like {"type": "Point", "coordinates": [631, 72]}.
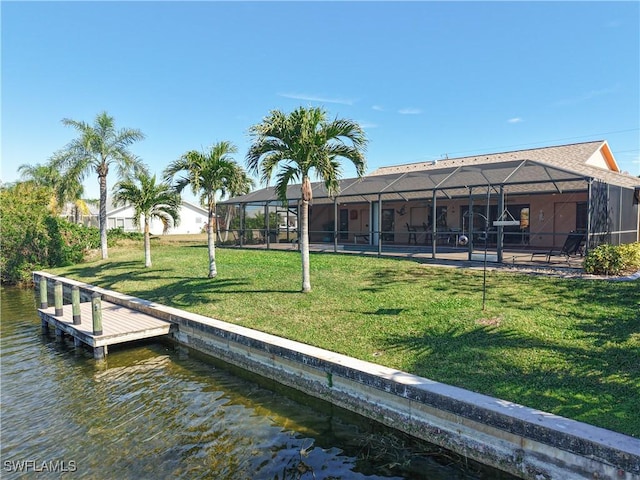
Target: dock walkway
{"type": "Point", "coordinates": [119, 324]}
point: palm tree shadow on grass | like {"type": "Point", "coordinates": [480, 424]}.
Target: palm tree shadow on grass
{"type": "Point", "coordinates": [573, 383]}
{"type": "Point", "coordinates": [107, 273]}
{"type": "Point", "coordinates": [190, 292]}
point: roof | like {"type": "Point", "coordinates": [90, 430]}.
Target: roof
{"type": "Point", "coordinates": [112, 210]}
{"type": "Point", "coordinates": [554, 169]}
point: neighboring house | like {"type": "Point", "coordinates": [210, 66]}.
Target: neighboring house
{"type": "Point", "coordinates": [77, 214]}
{"type": "Point", "coordinates": [192, 220]}
{"type": "Point", "coordinates": [528, 199]}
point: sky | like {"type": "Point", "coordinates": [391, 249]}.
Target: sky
{"type": "Point", "coordinates": [426, 80]}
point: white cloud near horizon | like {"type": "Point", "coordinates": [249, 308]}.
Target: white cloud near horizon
{"type": "Point", "coordinates": [409, 111]}
{"type": "Point", "coordinates": [317, 98]}
{"type": "Point", "coordinates": [515, 120]}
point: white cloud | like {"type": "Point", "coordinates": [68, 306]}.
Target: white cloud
{"type": "Point", "coordinates": [515, 120]}
{"type": "Point", "coordinates": [366, 125]}
{"type": "Point", "coordinates": [317, 98]}
{"type": "Point", "coordinates": [409, 111]}
{"type": "Point", "coordinates": [588, 96]}
{"type": "Point", "coordinates": [377, 108]}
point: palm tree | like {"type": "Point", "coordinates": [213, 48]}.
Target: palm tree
{"type": "Point", "coordinates": [96, 149]}
{"type": "Point", "coordinates": [64, 189]}
{"type": "Point", "coordinates": [210, 173]}
{"type": "Point", "coordinates": [297, 143]}
{"type": "Point", "coordinates": [149, 200]}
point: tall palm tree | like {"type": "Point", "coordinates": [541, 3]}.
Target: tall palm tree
{"type": "Point", "coordinates": [96, 149]}
{"type": "Point", "coordinates": [149, 200]}
{"type": "Point", "coordinates": [294, 144]}
{"type": "Point", "coordinates": [210, 173]}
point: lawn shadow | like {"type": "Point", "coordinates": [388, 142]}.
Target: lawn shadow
{"type": "Point", "coordinates": [595, 387]}
{"type": "Point", "coordinates": [109, 274]}
{"type": "Point", "coordinates": [184, 293]}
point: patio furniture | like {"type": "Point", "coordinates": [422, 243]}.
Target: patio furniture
{"type": "Point", "coordinates": [573, 245]}
{"type": "Point", "coordinates": [412, 234]}
{"type": "Point", "coordinates": [363, 236]}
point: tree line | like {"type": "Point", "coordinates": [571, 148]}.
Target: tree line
{"type": "Point", "coordinates": [288, 146]}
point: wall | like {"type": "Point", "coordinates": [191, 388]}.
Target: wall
{"type": "Point", "coordinates": [192, 220]}
{"type": "Point", "coordinates": [551, 217]}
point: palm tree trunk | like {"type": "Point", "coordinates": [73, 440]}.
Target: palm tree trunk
{"type": "Point", "coordinates": [147, 243]}
{"type": "Point", "coordinates": [103, 216]}
{"type": "Point", "coordinates": [211, 242]}
{"type": "Point", "coordinates": [304, 246]}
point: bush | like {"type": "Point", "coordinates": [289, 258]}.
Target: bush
{"type": "Point", "coordinates": [613, 260]}
{"type": "Point", "coordinates": [114, 235]}
{"type": "Point", "coordinates": [69, 242]}
{"type": "Point", "coordinates": [34, 238]}
{"type": "Point", "coordinates": [630, 256]}
{"type": "Point", "coordinates": [25, 239]}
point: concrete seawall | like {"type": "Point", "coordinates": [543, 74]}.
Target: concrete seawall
{"type": "Point", "coordinates": [525, 442]}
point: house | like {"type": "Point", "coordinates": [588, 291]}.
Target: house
{"type": "Point", "coordinates": [525, 199]}
{"type": "Point", "coordinates": [192, 220]}
{"type": "Point", "coordinates": [81, 212]}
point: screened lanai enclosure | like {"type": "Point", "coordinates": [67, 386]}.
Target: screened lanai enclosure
{"type": "Point", "coordinates": [537, 205]}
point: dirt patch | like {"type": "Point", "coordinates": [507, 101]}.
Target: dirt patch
{"type": "Point", "coordinates": [489, 322]}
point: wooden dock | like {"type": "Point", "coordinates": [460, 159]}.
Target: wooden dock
{"type": "Point", "coordinates": [119, 324]}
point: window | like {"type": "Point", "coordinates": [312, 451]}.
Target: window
{"type": "Point", "coordinates": [581, 216]}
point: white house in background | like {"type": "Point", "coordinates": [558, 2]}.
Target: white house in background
{"type": "Point", "coordinates": [192, 220]}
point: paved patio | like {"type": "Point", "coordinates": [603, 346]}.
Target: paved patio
{"type": "Point", "coordinates": [513, 259]}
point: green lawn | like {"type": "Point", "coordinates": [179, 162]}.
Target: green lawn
{"type": "Point", "coordinates": [566, 346]}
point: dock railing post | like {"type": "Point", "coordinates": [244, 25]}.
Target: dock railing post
{"type": "Point", "coordinates": [57, 291]}
{"type": "Point", "coordinates": [75, 302]}
{"type": "Point", "coordinates": [44, 298]}
{"type": "Point", "coordinates": [96, 313]}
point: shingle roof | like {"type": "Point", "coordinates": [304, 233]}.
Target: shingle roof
{"type": "Point", "coordinates": [554, 168]}
{"type": "Point", "coordinates": [571, 157]}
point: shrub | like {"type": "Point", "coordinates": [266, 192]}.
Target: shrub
{"type": "Point", "coordinates": [34, 238]}
{"type": "Point", "coordinates": [630, 256]}
{"type": "Point", "coordinates": [69, 242]}
{"type": "Point", "coordinates": [613, 260]}
{"type": "Point", "coordinates": [114, 235]}
{"type": "Point", "coordinates": [23, 208]}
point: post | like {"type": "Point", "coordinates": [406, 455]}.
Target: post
{"type": "Point", "coordinates": [500, 233]}
{"type": "Point", "coordinates": [335, 224]}
{"type": "Point", "coordinates": [267, 227]}
{"type": "Point", "coordinates": [99, 353]}
{"type": "Point", "coordinates": [96, 313]}
{"type": "Point", "coordinates": [44, 299]}
{"type": "Point", "coordinates": [57, 291]}
{"type": "Point", "coordinates": [379, 225]}
{"type": "Point", "coordinates": [75, 302]}
{"type": "Point", "coordinates": [434, 224]}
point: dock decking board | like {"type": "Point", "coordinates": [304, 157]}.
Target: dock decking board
{"type": "Point", "coordinates": [119, 324]}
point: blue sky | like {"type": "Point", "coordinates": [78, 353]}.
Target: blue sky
{"type": "Point", "coordinates": [425, 79]}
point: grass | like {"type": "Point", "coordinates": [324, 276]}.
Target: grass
{"type": "Point", "coordinates": [565, 346]}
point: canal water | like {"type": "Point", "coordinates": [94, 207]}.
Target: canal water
{"type": "Point", "coordinates": [153, 411]}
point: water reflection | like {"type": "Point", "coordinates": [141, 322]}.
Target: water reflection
{"type": "Point", "coordinates": [153, 411]}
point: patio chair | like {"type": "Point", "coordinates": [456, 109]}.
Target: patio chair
{"type": "Point", "coordinates": [412, 234]}
{"type": "Point", "coordinates": [573, 245]}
